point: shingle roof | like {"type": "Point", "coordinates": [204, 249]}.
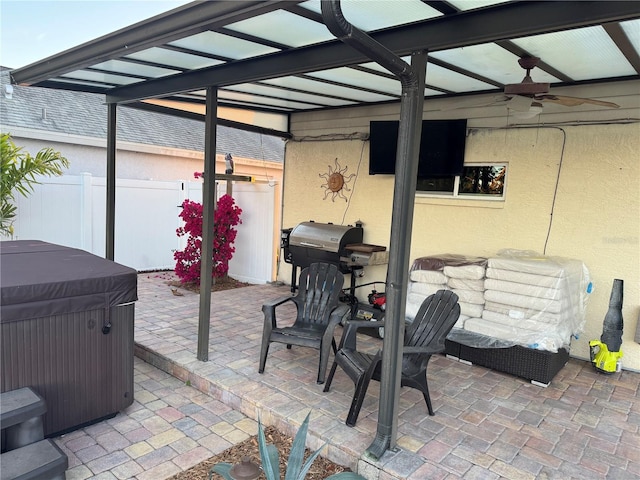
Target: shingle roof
{"type": "Point", "coordinates": [85, 114]}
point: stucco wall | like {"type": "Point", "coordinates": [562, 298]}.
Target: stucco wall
{"type": "Point", "coordinates": [136, 161]}
{"type": "Point", "coordinates": [596, 212]}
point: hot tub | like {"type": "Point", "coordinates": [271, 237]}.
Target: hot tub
{"type": "Point", "coordinates": [66, 319]}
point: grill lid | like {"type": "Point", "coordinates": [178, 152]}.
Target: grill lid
{"type": "Point", "coordinates": [322, 236]}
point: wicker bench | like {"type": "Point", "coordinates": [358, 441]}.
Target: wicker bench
{"type": "Point", "coordinates": [537, 366]}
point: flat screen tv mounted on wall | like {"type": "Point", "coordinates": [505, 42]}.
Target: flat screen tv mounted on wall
{"type": "Point", "coordinates": [442, 146]}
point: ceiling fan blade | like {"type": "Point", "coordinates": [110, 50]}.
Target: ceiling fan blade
{"type": "Point", "coordinates": [519, 103]}
{"type": "Point", "coordinates": [574, 101]}
{"type": "Point", "coordinates": [477, 102]}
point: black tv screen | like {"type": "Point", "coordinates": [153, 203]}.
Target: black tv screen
{"type": "Point", "coordinates": [442, 146]}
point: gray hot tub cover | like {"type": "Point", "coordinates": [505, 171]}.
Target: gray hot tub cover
{"type": "Point", "coordinates": [39, 279]}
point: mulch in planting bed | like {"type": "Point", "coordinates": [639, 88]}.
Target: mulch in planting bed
{"type": "Point", "coordinates": [320, 469]}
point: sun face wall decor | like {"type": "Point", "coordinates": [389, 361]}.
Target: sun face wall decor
{"type": "Point", "coordinates": [336, 181]}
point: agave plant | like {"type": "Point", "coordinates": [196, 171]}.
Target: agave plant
{"type": "Point", "coordinates": [296, 469]}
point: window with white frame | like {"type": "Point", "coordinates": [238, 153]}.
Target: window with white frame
{"type": "Point", "coordinates": [478, 181]}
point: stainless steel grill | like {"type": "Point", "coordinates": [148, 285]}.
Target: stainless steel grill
{"type": "Point", "coordinates": [311, 242]}
{"type": "Point", "coordinates": [340, 245]}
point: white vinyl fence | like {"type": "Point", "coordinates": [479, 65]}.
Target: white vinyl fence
{"type": "Point", "coordinates": [71, 211]}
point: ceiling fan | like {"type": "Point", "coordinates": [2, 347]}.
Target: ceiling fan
{"type": "Point", "coordinates": [526, 98]}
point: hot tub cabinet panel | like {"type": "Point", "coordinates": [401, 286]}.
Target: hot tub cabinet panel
{"type": "Point", "coordinates": [74, 343]}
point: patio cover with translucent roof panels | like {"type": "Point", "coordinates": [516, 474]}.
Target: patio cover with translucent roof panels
{"type": "Point", "coordinates": [251, 64]}
{"type": "Point", "coordinates": [269, 59]}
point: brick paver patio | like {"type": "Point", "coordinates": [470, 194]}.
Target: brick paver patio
{"type": "Point", "coordinates": [488, 425]}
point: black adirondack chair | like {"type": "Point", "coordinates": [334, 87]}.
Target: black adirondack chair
{"type": "Point", "coordinates": [423, 337]}
{"type": "Point", "coordinates": [319, 311]}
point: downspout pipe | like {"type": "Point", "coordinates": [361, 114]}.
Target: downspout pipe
{"type": "Point", "coordinates": [412, 78]}
{"type": "Point", "coordinates": [352, 36]}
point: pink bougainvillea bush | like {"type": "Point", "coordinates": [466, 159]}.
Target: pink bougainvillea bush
{"type": "Point", "coordinates": [227, 216]}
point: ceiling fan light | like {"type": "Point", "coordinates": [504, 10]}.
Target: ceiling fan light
{"type": "Point", "coordinates": [534, 110]}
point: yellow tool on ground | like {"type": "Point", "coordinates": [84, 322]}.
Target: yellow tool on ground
{"type": "Point", "coordinates": [606, 353]}
{"type": "Point", "coordinates": [604, 360]}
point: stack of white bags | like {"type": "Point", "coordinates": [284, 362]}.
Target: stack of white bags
{"type": "Point", "coordinates": [464, 275]}
{"type": "Point", "coordinates": [518, 297]}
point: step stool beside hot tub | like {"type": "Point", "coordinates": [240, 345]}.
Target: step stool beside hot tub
{"type": "Point", "coordinates": [26, 454]}
{"type": "Point", "coordinates": [67, 320]}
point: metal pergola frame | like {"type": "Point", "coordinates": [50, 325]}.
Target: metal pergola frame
{"type": "Point", "coordinates": [479, 26]}
{"type": "Point", "coordinates": [495, 24]}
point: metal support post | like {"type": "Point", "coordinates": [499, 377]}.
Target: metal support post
{"type": "Point", "coordinates": [111, 182]}
{"type": "Point", "coordinates": [208, 202]}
